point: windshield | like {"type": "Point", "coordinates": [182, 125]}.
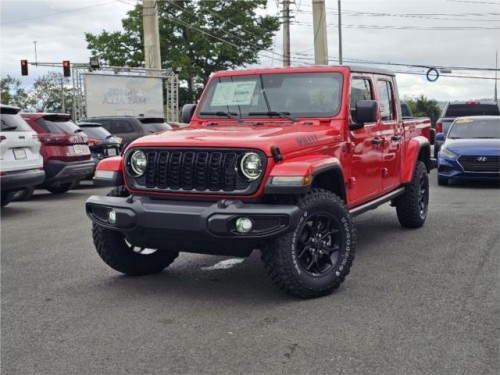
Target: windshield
{"type": "Point", "coordinates": [283, 95]}
{"type": "Point", "coordinates": [469, 128]}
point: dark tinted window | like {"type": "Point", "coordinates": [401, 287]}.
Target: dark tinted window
{"type": "Point", "coordinates": [156, 127]}
{"type": "Point", "coordinates": [458, 110]}
{"type": "Point", "coordinates": [120, 126]}
{"type": "Point", "coordinates": [97, 132]}
{"type": "Point", "coordinates": [475, 128]}
{"type": "Point", "coordinates": [14, 122]}
{"type": "Point", "coordinates": [58, 124]}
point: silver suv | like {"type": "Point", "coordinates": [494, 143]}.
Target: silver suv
{"type": "Point", "coordinates": [21, 165]}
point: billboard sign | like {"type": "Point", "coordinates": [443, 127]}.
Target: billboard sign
{"type": "Point", "coordinates": [114, 95]}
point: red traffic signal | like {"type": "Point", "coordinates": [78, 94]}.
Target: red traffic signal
{"type": "Point", "coordinates": [66, 68]}
{"type": "Point", "coordinates": [24, 67]}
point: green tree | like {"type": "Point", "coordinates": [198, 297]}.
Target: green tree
{"type": "Point", "coordinates": [201, 37]}
{"type": "Point", "coordinates": [47, 93]}
{"type": "Point", "coordinates": [422, 106]}
{"type": "Point", "coordinates": [12, 92]}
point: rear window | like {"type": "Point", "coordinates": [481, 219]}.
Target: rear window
{"type": "Point", "coordinates": [58, 124]}
{"type": "Point", "coordinates": [14, 123]}
{"type": "Point", "coordinates": [156, 127]}
{"type": "Point", "coordinates": [459, 110]}
{"type": "Point", "coordinates": [97, 132]}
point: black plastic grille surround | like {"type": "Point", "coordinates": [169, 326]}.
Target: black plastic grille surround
{"type": "Point", "coordinates": [181, 170]}
{"type": "Point", "coordinates": [480, 163]}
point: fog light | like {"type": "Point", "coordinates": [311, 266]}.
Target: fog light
{"type": "Point", "coordinates": [244, 225]}
{"type": "Point", "coordinates": [112, 216]}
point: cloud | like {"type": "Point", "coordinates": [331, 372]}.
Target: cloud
{"type": "Point", "coordinates": [413, 32]}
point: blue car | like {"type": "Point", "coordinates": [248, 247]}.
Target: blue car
{"type": "Point", "coordinates": [471, 150]}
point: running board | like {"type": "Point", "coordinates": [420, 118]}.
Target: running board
{"type": "Point", "coordinates": [377, 202]}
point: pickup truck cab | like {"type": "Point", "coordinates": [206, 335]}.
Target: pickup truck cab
{"type": "Point", "coordinates": [274, 159]}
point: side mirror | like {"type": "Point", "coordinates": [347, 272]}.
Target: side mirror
{"type": "Point", "coordinates": [187, 112]}
{"type": "Point", "coordinates": [366, 111]}
{"type": "Point", "coordinates": [440, 137]}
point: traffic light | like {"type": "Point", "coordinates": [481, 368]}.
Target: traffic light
{"type": "Point", "coordinates": [24, 67]}
{"type": "Point", "coordinates": [67, 68]}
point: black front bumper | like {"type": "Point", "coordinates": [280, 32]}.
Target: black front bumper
{"type": "Point", "coordinates": [206, 227]}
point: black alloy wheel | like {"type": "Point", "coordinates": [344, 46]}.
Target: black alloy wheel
{"type": "Point", "coordinates": [318, 244]}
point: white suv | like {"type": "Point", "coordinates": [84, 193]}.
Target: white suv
{"type": "Point", "coordinates": [21, 165]}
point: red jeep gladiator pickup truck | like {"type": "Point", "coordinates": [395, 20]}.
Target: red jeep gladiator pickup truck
{"type": "Point", "coordinates": [274, 159]}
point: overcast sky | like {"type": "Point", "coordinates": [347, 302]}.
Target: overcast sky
{"type": "Point", "coordinates": [443, 33]}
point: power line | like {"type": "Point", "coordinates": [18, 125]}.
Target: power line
{"type": "Point", "coordinates": [55, 14]}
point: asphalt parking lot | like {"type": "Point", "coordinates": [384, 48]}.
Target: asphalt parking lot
{"type": "Point", "coordinates": [422, 301]}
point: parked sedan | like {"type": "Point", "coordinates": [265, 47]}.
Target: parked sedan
{"type": "Point", "coordinates": [102, 143]}
{"type": "Point", "coordinates": [471, 149]}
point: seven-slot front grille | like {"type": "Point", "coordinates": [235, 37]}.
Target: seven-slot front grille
{"type": "Point", "coordinates": [480, 163]}
{"type": "Point", "coordinates": [194, 171]}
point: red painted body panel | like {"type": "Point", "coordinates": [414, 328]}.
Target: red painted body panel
{"type": "Point", "coordinates": [112, 164]}
{"type": "Point", "coordinates": [374, 160]}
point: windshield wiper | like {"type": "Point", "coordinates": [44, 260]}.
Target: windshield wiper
{"type": "Point", "coordinates": [286, 115]}
{"type": "Point", "coordinates": [233, 115]}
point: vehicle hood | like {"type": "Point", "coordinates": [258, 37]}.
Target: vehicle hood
{"type": "Point", "coordinates": [474, 146]}
{"type": "Point", "coordinates": [288, 137]}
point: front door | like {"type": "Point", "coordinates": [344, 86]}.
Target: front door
{"type": "Point", "coordinates": [364, 175]}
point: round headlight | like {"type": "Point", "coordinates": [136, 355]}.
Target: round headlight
{"type": "Point", "coordinates": [251, 165]}
{"type": "Point", "coordinates": [138, 163]}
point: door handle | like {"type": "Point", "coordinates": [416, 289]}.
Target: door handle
{"type": "Point", "coordinates": [377, 141]}
{"type": "Point", "coordinates": [396, 138]}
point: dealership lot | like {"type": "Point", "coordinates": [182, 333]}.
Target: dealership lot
{"type": "Point", "coordinates": [419, 301]}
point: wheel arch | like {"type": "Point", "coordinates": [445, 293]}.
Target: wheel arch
{"type": "Point", "coordinates": [319, 172]}
{"type": "Point", "coordinates": [330, 178]}
{"type": "Point", "coordinates": [418, 149]}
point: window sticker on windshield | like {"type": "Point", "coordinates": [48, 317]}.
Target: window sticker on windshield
{"type": "Point", "coordinates": [464, 121]}
{"type": "Point", "coordinates": [233, 93]}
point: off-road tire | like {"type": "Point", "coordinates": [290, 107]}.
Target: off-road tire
{"type": "Point", "coordinates": [413, 205]}
{"type": "Point", "coordinates": [117, 253]}
{"type": "Point", "coordinates": [282, 256]}
{"type": "Point", "coordinates": [442, 181]}
{"type": "Point", "coordinates": [60, 189]}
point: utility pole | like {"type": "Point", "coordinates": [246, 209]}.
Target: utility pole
{"type": "Point", "coordinates": [63, 105]}
{"type": "Point", "coordinates": [286, 32]}
{"type": "Point", "coordinates": [340, 35]}
{"type": "Point", "coordinates": [152, 58]}
{"type": "Point", "coordinates": [319, 29]}
{"type": "Point", "coordinates": [496, 79]}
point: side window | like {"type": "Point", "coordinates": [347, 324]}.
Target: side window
{"type": "Point", "coordinates": [386, 100]}
{"type": "Point", "coordinates": [120, 126]}
{"type": "Point", "coordinates": [361, 89]}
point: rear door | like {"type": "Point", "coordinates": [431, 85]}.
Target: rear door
{"type": "Point", "coordinates": [391, 133]}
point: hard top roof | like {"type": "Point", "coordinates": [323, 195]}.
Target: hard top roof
{"type": "Point", "coordinates": [306, 69]}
